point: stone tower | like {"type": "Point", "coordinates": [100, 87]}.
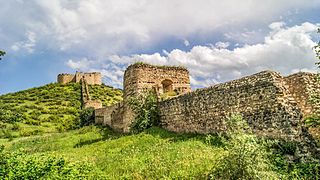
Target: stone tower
{"type": "Point", "coordinates": [137, 79]}
{"type": "Point", "coordinates": [140, 77]}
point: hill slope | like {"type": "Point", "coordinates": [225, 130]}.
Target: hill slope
{"type": "Point", "coordinates": [48, 108]}
{"type": "Point", "coordinates": [153, 154]}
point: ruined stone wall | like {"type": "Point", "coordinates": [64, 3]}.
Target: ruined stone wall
{"type": "Point", "coordinates": [86, 98]}
{"type": "Point", "coordinates": [118, 116]}
{"type": "Point", "coordinates": [262, 99]}
{"type": "Point", "coordinates": [96, 104]}
{"type": "Point", "coordinates": [92, 78]}
{"type": "Point", "coordinates": [302, 85]}
{"type": "Point", "coordinates": [65, 78]}
{"type": "Point", "coordinates": [141, 77]}
{"type": "Point", "coordinates": [103, 115]}
{"type": "Point", "coordinates": [273, 105]}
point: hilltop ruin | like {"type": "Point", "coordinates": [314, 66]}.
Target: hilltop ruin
{"type": "Point", "coordinates": [85, 79]}
{"type": "Point", "coordinates": [92, 78]}
{"type": "Point", "coordinates": [272, 104]}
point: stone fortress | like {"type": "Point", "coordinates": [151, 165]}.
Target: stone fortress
{"type": "Point", "coordinates": [138, 78]}
{"type": "Point", "coordinates": [93, 78]}
{"type": "Point", "coordinates": [84, 79]}
{"type": "Point", "coordinates": [163, 79]}
{"type": "Point", "coordinates": [273, 105]}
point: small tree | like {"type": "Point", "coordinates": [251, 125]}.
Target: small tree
{"type": "Point", "coordinates": [146, 108]}
{"type": "Point", "coordinates": [86, 117]}
{"type": "Point", "coordinates": [2, 53]}
{"type": "Point", "coordinates": [245, 158]}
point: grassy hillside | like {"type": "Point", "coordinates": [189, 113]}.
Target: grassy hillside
{"type": "Point", "coordinates": [153, 154]}
{"type": "Point", "coordinates": [40, 138]}
{"type": "Point", "coordinates": [97, 153]}
{"type": "Point", "coordinates": [50, 108]}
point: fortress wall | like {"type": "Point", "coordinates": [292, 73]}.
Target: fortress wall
{"type": "Point", "coordinates": [302, 85]}
{"type": "Point", "coordinates": [65, 78]}
{"type": "Point", "coordinates": [92, 78]}
{"type": "Point", "coordinates": [103, 115]}
{"type": "Point", "coordinates": [97, 78]}
{"type": "Point", "coordinates": [96, 104]}
{"type": "Point", "coordinates": [118, 116]}
{"type": "Point", "coordinates": [262, 99]}
{"type": "Point", "coordinates": [141, 77]}
{"type": "Point", "coordinates": [122, 118]}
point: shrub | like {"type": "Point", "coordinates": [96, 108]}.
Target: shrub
{"type": "Point", "coordinates": [18, 165]}
{"type": "Point", "coordinates": [245, 158]}
{"type": "Point", "coordinates": [313, 121]}
{"type": "Point", "coordinates": [32, 122]}
{"type": "Point", "coordinates": [6, 134]}
{"type": "Point", "coordinates": [147, 113]}
{"type": "Point", "coordinates": [86, 117]}
{"type": "Point", "coordinates": [8, 116]}
{"type": "Point", "coordinates": [15, 127]}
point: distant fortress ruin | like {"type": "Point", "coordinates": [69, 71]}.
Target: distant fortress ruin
{"type": "Point", "coordinates": [85, 79]}
{"type": "Point", "coordinates": [93, 78]}
{"type": "Point", "coordinates": [273, 105]}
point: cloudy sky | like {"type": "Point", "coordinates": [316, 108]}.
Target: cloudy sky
{"type": "Point", "coordinates": [217, 40]}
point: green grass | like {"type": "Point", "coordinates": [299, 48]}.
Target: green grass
{"type": "Point", "coordinates": [152, 154]}
{"type": "Point", "coordinates": [46, 109]}
{"type": "Point", "coordinates": [106, 94]}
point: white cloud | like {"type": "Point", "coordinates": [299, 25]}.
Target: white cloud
{"type": "Point", "coordinates": [82, 64]}
{"type": "Point", "coordinates": [28, 44]}
{"type": "Point", "coordinates": [222, 45]}
{"type": "Point", "coordinates": [285, 49]}
{"type": "Point", "coordinates": [277, 25]}
{"type": "Point", "coordinates": [104, 27]}
{"type": "Point", "coordinates": [186, 42]}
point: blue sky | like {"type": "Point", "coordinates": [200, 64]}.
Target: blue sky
{"type": "Point", "coordinates": [217, 40]}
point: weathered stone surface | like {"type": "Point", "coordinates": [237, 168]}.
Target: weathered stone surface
{"type": "Point", "coordinates": [118, 116]}
{"type": "Point", "coordinates": [262, 99]}
{"type": "Point", "coordinates": [301, 86]}
{"type": "Point", "coordinates": [141, 77]}
{"type": "Point", "coordinates": [273, 105]}
{"type": "Point", "coordinates": [137, 79]}
{"type": "Point", "coordinates": [93, 78]}
{"type": "Point", "coordinates": [103, 115]}
{"type": "Point", "coordinates": [96, 104]}
{"type": "Point", "coordinates": [85, 96]}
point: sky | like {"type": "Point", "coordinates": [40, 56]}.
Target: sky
{"type": "Point", "coordinates": [216, 40]}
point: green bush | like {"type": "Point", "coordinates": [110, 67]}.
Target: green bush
{"type": "Point", "coordinates": [313, 121]}
{"type": "Point", "coordinates": [25, 132]}
{"type": "Point", "coordinates": [147, 113]}
{"type": "Point", "coordinates": [245, 158]}
{"type": "Point", "coordinates": [5, 133]}
{"type": "Point", "coordinates": [18, 165]}
{"type": "Point", "coordinates": [15, 127]}
{"type": "Point", "coordinates": [9, 116]}
{"type": "Point", "coordinates": [86, 117]}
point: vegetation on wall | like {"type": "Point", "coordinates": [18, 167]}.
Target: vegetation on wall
{"type": "Point", "coordinates": [245, 157]}
{"type": "Point", "coordinates": [87, 117]}
{"type": "Point", "coordinates": [146, 108]}
{"type": "Point", "coordinates": [140, 63]}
